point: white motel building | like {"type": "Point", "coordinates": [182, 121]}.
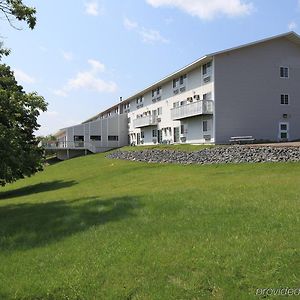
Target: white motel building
{"type": "Point", "coordinates": [250, 90]}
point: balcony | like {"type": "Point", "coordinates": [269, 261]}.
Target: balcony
{"type": "Point", "coordinates": [145, 121]}
{"type": "Point", "coordinates": [203, 107]}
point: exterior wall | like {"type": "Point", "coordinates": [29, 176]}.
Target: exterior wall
{"type": "Point", "coordinates": [194, 129]}
{"type": "Point", "coordinates": [248, 88]}
{"type": "Point", "coordinates": [193, 86]}
{"type": "Point", "coordinates": [116, 125]}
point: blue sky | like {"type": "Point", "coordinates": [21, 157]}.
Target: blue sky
{"type": "Point", "coordinates": [83, 55]}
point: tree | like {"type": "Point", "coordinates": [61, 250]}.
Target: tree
{"type": "Point", "coordinates": [20, 154]}
{"type": "Point", "coordinates": [15, 9]}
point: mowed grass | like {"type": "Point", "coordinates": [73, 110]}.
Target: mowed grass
{"type": "Point", "coordinates": [95, 228]}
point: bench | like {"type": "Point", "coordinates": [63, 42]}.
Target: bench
{"type": "Point", "coordinates": [241, 139]}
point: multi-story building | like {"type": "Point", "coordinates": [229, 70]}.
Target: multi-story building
{"type": "Point", "coordinates": [251, 90]}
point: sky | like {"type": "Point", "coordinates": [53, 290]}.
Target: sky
{"type": "Point", "coordinates": [84, 55]}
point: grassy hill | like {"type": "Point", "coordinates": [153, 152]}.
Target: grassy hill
{"type": "Point", "coordinates": [94, 228]}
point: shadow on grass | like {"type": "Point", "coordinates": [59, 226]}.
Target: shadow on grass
{"type": "Point", "coordinates": [52, 161]}
{"type": "Point", "coordinates": [25, 226]}
{"type": "Point", "coordinates": [37, 188]}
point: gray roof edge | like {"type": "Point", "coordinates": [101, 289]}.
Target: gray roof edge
{"type": "Point", "coordinates": [287, 34]}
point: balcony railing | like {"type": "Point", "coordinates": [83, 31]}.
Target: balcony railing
{"type": "Point", "coordinates": [203, 107]}
{"type": "Point", "coordinates": [60, 145]}
{"type": "Point", "coordinates": [145, 121]}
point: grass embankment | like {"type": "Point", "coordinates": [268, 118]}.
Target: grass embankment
{"type": "Point", "coordinates": [94, 228]}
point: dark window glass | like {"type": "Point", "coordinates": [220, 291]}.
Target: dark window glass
{"type": "Point", "coordinates": [182, 129]}
{"type": "Point", "coordinates": [95, 137]}
{"type": "Point", "coordinates": [78, 138]}
{"type": "Point", "coordinates": [284, 72]}
{"type": "Point", "coordinates": [113, 138]}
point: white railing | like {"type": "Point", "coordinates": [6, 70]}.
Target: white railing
{"type": "Point", "coordinates": [203, 107]}
{"type": "Point", "coordinates": [69, 145]}
{"type": "Point", "coordinates": [145, 121]}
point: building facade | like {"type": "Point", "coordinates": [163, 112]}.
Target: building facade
{"type": "Point", "coordinates": [250, 90]}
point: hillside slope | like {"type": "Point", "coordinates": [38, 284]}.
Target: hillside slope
{"type": "Point", "coordinates": [95, 228]}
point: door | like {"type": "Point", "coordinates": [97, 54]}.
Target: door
{"type": "Point", "coordinates": [78, 141]}
{"type": "Point", "coordinates": [138, 138]}
{"type": "Point", "coordinates": [159, 136]}
{"type": "Point", "coordinates": [176, 134]}
{"type": "Point", "coordinates": [283, 131]}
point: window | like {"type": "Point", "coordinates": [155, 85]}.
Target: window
{"type": "Point", "coordinates": [113, 138]}
{"type": "Point", "coordinates": [182, 79]}
{"type": "Point", "coordinates": [179, 81]}
{"type": "Point", "coordinates": [154, 133]}
{"type": "Point", "coordinates": [142, 134]}
{"type": "Point", "coordinates": [140, 100]}
{"type": "Point", "coordinates": [159, 111]}
{"type": "Point", "coordinates": [205, 127]}
{"type": "Point", "coordinates": [95, 137]}
{"type": "Point", "coordinates": [175, 83]}
{"type": "Point", "coordinates": [284, 72]}
{"type": "Point", "coordinates": [156, 92]}
{"type": "Point", "coordinates": [283, 135]}
{"type": "Point", "coordinates": [78, 138]}
{"type": "Point", "coordinates": [206, 68]}
{"type": "Point", "coordinates": [207, 96]}
{"type": "Point", "coordinates": [78, 141]}
{"type": "Point", "coordinates": [127, 105]}
{"type": "Point", "coordinates": [283, 126]}
{"type": "Point", "coordinates": [175, 104]}
{"type": "Point", "coordinates": [284, 99]}
{"type": "Point", "coordinates": [128, 120]}
{"type": "Point", "coordinates": [181, 129]}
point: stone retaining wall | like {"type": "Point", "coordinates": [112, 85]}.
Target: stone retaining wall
{"type": "Point", "coordinates": [216, 155]}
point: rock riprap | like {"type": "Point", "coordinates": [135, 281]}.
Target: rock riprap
{"type": "Point", "coordinates": [214, 155]}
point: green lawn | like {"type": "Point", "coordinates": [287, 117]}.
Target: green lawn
{"type": "Point", "coordinates": [94, 228]}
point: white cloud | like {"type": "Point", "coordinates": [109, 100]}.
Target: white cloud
{"type": "Point", "coordinates": [207, 9]}
{"type": "Point", "coordinates": [129, 25]}
{"type": "Point", "coordinates": [88, 80]}
{"type": "Point", "coordinates": [68, 56]}
{"type": "Point", "coordinates": [23, 77]}
{"type": "Point", "coordinates": [292, 25]}
{"type": "Point", "coordinates": [92, 8]}
{"type": "Point", "coordinates": [149, 36]}
{"type": "Point", "coordinates": [96, 65]}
